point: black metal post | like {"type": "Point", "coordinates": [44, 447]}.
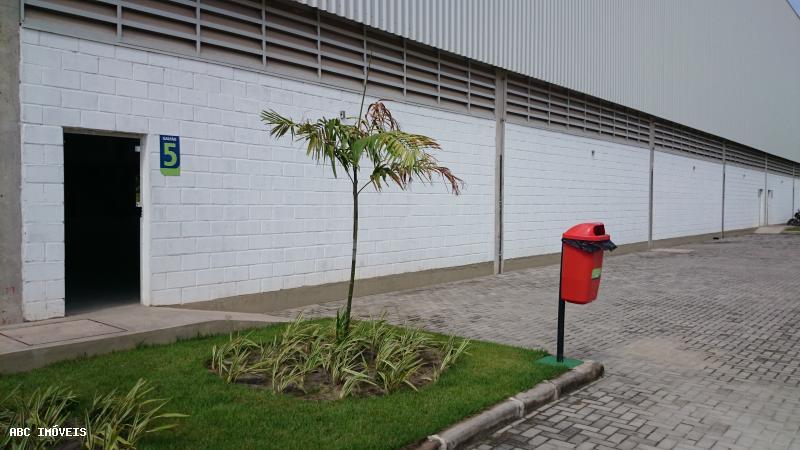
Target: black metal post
{"type": "Point", "coordinates": [561, 310]}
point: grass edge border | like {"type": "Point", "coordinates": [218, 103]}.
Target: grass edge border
{"type": "Point", "coordinates": [514, 408]}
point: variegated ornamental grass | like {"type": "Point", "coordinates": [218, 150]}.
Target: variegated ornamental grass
{"type": "Point", "coordinates": [310, 360]}
{"type": "Point", "coordinates": [111, 422]}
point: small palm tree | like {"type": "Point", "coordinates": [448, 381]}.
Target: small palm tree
{"type": "Point", "coordinates": [393, 156]}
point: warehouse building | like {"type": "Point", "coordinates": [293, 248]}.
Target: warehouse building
{"type": "Point", "coordinates": [136, 168]}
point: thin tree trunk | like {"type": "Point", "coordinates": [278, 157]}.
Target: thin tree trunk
{"type": "Point", "coordinates": [353, 260]}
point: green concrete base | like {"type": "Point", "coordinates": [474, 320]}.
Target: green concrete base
{"type": "Point", "coordinates": [568, 362]}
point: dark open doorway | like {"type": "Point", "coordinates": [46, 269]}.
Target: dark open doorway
{"type": "Point", "coordinates": [101, 221]}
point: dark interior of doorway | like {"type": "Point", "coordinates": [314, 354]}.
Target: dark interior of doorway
{"type": "Point", "coordinates": [101, 221]}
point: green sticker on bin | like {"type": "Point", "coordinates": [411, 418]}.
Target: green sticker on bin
{"type": "Point", "coordinates": [596, 273]}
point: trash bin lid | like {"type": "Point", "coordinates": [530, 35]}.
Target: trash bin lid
{"type": "Point", "coordinates": [590, 231]}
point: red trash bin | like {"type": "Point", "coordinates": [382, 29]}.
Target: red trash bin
{"type": "Point", "coordinates": [582, 261]}
{"type": "Point", "coordinates": [582, 248]}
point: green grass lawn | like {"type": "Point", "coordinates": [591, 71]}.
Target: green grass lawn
{"type": "Point", "coordinates": [235, 416]}
{"type": "Point", "coordinates": [793, 230]}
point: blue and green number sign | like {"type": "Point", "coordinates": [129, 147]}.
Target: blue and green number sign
{"type": "Point", "coordinates": [170, 150]}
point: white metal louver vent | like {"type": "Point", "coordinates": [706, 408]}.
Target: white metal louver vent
{"type": "Point", "coordinates": [278, 37]}
{"type": "Point", "coordinates": [530, 101]}
{"type": "Point", "coordinates": [682, 139]}
{"type": "Point", "coordinates": [779, 165]}
{"type": "Point", "coordinates": [533, 101]}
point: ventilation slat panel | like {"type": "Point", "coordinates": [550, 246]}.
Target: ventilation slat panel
{"type": "Point", "coordinates": [563, 109]}
{"type": "Point", "coordinates": [287, 38]}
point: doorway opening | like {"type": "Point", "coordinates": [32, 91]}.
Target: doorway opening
{"type": "Point", "coordinates": [102, 209]}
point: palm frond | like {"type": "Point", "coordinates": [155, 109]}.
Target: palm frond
{"type": "Point", "coordinates": [280, 125]}
{"type": "Point", "coordinates": [400, 157]}
{"type": "Point", "coordinates": [379, 118]}
{"type": "Point", "coordinates": [327, 140]}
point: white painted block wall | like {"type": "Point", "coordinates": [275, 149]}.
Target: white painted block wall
{"type": "Point", "coordinates": [687, 196]}
{"type": "Point", "coordinates": [742, 206]}
{"type": "Point", "coordinates": [780, 205]}
{"type": "Point", "coordinates": [248, 214]}
{"type": "Point", "coordinates": [552, 181]}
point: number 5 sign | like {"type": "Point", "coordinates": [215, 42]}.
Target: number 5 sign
{"type": "Point", "coordinates": [170, 150]}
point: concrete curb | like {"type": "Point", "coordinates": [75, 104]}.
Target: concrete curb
{"type": "Point", "coordinates": [516, 407]}
{"type": "Point", "coordinates": [27, 359]}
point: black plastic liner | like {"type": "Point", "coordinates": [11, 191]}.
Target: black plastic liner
{"type": "Point", "coordinates": [590, 246]}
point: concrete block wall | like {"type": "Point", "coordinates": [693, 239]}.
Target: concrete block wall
{"type": "Point", "coordinates": [255, 215]}
{"type": "Point", "coordinates": [552, 180]}
{"type": "Point", "coordinates": [780, 204]}
{"type": "Point", "coordinates": [687, 196]}
{"type": "Point", "coordinates": [742, 206]}
{"type": "Point", "coordinates": [248, 214]}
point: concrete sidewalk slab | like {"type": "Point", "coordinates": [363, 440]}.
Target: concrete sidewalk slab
{"type": "Point", "coordinates": [62, 331]}
{"type": "Point", "coordinates": [772, 229]}
{"type": "Point", "coordinates": [8, 345]}
{"type": "Point", "coordinates": [673, 250]}
{"type": "Point", "coordinates": [27, 346]}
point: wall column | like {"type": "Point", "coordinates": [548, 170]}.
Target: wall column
{"type": "Point", "coordinates": [10, 161]}
{"type": "Point", "coordinates": [724, 172]}
{"type": "Point", "coordinates": [499, 144]}
{"type": "Point", "coordinates": [794, 187]}
{"type": "Point", "coordinates": [766, 190]}
{"type": "Point", "coordinates": [652, 167]}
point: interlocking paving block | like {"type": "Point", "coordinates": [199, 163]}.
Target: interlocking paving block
{"type": "Point", "coordinates": [694, 346]}
{"type": "Point", "coordinates": [60, 331]}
